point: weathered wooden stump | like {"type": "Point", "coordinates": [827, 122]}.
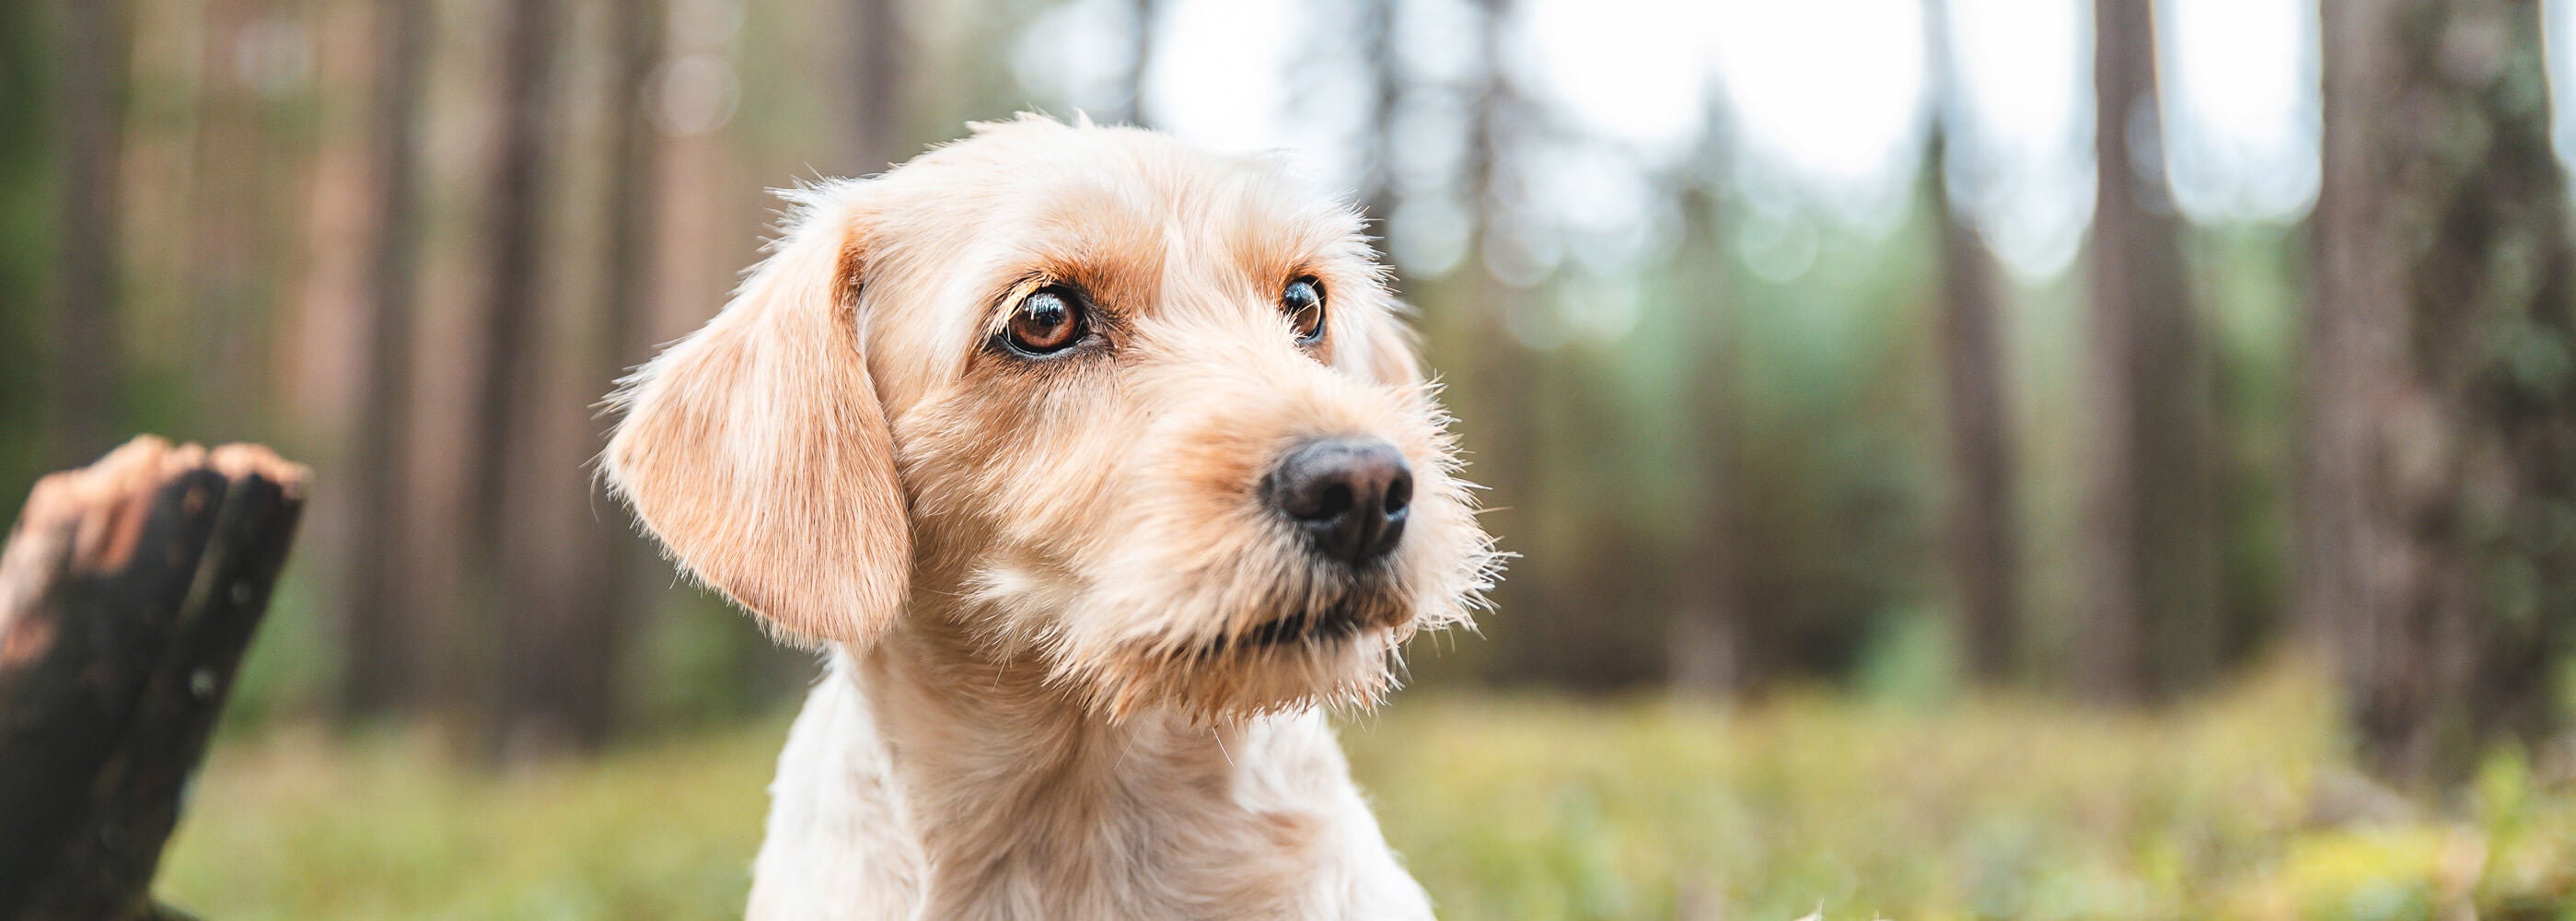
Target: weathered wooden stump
{"type": "Point", "coordinates": [128, 592]}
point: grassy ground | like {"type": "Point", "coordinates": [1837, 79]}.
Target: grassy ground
{"type": "Point", "coordinates": [1515, 807]}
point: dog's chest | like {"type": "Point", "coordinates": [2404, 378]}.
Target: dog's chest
{"type": "Point", "coordinates": [877, 821]}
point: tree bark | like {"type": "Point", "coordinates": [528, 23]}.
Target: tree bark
{"type": "Point", "coordinates": [1140, 63]}
{"type": "Point", "coordinates": [2152, 555]}
{"type": "Point", "coordinates": [382, 677]}
{"type": "Point", "coordinates": [1983, 554]}
{"type": "Point", "coordinates": [610, 556]}
{"type": "Point", "coordinates": [1376, 191]}
{"type": "Point", "coordinates": [230, 224]}
{"type": "Point", "coordinates": [89, 153]}
{"type": "Point", "coordinates": [512, 312]}
{"type": "Point", "coordinates": [1503, 438]}
{"type": "Point", "coordinates": [2439, 461]}
{"type": "Point", "coordinates": [547, 671]}
{"type": "Point", "coordinates": [876, 88]}
{"type": "Point", "coordinates": [1708, 635]}
{"type": "Point", "coordinates": [128, 593]}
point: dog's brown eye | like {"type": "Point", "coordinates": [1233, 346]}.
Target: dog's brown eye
{"type": "Point", "coordinates": [1048, 321]}
{"type": "Point", "coordinates": [1303, 302]}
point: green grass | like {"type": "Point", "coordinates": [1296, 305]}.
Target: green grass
{"type": "Point", "coordinates": [1515, 807]}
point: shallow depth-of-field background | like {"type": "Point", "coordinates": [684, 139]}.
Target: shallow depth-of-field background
{"type": "Point", "coordinates": [1519, 807]}
{"type": "Point", "coordinates": [1918, 426]}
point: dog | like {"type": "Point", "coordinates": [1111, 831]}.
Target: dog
{"type": "Point", "coordinates": [1099, 466]}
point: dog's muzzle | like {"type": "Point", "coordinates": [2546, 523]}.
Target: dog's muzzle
{"type": "Point", "coordinates": [1348, 496]}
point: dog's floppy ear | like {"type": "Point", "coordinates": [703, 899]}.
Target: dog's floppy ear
{"type": "Point", "coordinates": [756, 448]}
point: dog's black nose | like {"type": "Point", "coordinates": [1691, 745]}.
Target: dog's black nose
{"type": "Point", "coordinates": [1348, 494]}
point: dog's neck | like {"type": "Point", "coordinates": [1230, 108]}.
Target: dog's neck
{"type": "Point", "coordinates": [1025, 804]}
{"type": "Point", "coordinates": [986, 741]}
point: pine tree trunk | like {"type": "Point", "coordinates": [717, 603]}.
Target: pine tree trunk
{"type": "Point", "coordinates": [382, 675]}
{"type": "Point", "coordinates": [89, 121]}
{"type": "Point", "coordinates": [1983, 554]}
{"type": "Point", "coordinates": [1707, 642]}
{"type": "Point", "coordinates": [1503, 436]}
{"type": "Point", "coordinates": [548, 670]}
{"type": "Point", "coordinates": [2152, 557]}
{"type": "Point", "coordinates": [1376, 191]}
{"type": "Point", "coordinates": [610, 557]}
{"type": "Point", "coordinates": [2440, 456]}
{"type": "Point", "coordinates": [512, 313]}
{"type": "Point", "coordinates": [876, 87]}
{"type": "Point", "coordinates": [1138, 64]}
{"type": "Point", "coordinates": [229, 224]}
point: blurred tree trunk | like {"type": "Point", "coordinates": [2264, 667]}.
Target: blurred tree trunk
{"type": "Point", "coordinates": [382, 677]}
{"type": "Point", "coordinates": [1503, 442]}
{"type": "Point", "coordinates": [2153, 561]}
{"type": "Point", "coordinates": [27, 142]}
{"type": "Point", "coordinates": [1139, 62]}
{"type": "Point", "coordinates": [514, 231]}
{"type": "Point", "coordinates": [876, 88]}
{"type": "Point", "coordinates": [1708, 632]}
{"type": "Point", "coordinates": [1983, 555]}
{"type": "Point", "coordinates": [553, 678]}
{"type": "Point", "coordinates": [230, 221]}
{"type": "Point", "coordinates": [1376, 193]}
{"type": "Point", "coordinates": [89, 152]}
{"type": "Point", "coordinates": [610, 557]}
{"type": "Point", "coordinates": [2440, 457]}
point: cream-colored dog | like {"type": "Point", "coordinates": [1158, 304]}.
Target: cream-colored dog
{"type": "Point", "coordinates": [1100, 464]}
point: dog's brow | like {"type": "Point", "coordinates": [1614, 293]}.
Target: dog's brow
{"type": "Point", "coordinates": [1006, 296]}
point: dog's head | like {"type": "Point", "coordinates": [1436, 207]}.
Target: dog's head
{"type": "Point", "coordinates": [1142, 414]}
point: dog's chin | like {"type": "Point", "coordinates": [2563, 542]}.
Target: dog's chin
{"type": "Point", "coordinates": [1285, 663]}
{"type": "Point", "coordinates": [1325, 626]}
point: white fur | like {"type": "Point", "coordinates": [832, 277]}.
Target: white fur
{"type": "Point", "coordinates": [1181, 821]}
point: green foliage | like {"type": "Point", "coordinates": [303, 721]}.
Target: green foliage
{"type": "Point", "coordinates": [1517, 807]}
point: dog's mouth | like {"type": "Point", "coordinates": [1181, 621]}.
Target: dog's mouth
{"type": "Point", "coordinates": [1332, 623]}
{"type": "Point", "coordinates": [1336, 622]}
{"type": "Point", "coordinates": [1322, 623]}
{"type": "Point", "coordinates": [1309, 643]}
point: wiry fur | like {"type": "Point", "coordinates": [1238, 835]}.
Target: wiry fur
{"type": "Point", "coordinates": [1076, 663]}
